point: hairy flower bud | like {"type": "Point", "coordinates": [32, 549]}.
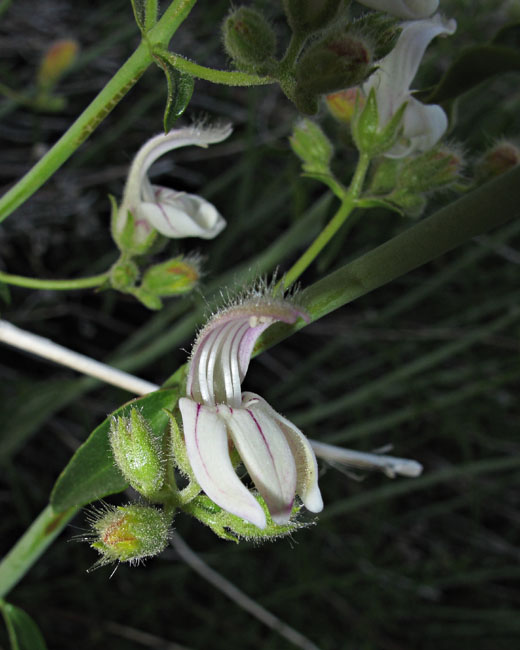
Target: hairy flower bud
{"type": "Point", "coordinates": [171, 278]}
{"type": "Point", "coordinates": [338, 61]}
{"type": "Point", "coordinates": [137, 452]}
{"type": "Point", "coordinates": [248, 38]}
{"type": "Point", "coordinates": [312, 146]}
{"type": "Point", "coordinates": [499, 159]}
{"type": "Point", "coordinates": [306, 16]}
{"type": "Point", "coordinates": [56, 61]}
{"type": "Point", "coordinates": [123, 274]}
{"type": "Point", "coordinates": [129, 533]}
{"type": "Point", "coordinates": [431, 170]}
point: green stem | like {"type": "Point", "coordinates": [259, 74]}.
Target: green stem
{"type": "Point", "coordinates": [31, 545]}
{"type": "Point", "coordinates": [347, 205]}
{"type": "Point", "coordinates": [291, 54]}
{"type": "Point", "coordinates": [225, 77]}
{"type": "Point", "coordinates": [98, 109]}
{"type": "Point", "coordinates": [37, 283]}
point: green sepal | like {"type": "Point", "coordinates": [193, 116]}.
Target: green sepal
{"type": "Point", "coordinates": [23, 632]}
{"type": "Point", "coordinates": [367, 135]}
{"type": "Point", "coordinates": [125, 239]}
{"type": "Point", "coordinates": [145, 12]}
{"type": "Point", "coordinates": [180, 87]}
{"type": "Point", "coordinates": [147, 298]}
{"type": "Point", "coordinates": [91, 473]}
{"type": "Point", "coordinates": [377, 202]}
{"type": "Point", "coordinates": [233, 528]}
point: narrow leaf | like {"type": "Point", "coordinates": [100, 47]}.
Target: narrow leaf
{"type": "Point", "coordinates": [23, 632]}
{"type": "Point", "coordinates": [474, 65]}
{"type": "Point", "coordinates": [180, 89]}
{"type": "Point", "coordinates": [5, 294]}
{"type": "Point", "coordinates": [91, 473]}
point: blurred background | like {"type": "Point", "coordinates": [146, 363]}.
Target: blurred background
{"type": "Point", "coordinates": [428, 363]}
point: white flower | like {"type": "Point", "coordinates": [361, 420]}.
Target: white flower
{"type": "Point", "coordinates": [276, 454]}
{"type": "Point", "coordinates": [423, 125]}
{"type": "Point", "coordinates": [173, 214]}
{"type": "Point", "coordinates": [406, 9]}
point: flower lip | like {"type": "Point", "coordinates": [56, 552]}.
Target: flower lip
{"type": "Point", "coordinates": [173, 214]}
{"type": "Point", "coordinates": [222, 351]}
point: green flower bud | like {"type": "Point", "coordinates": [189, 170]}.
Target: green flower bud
{"type": "Point", "coordinates": [171, 278]}
{"type": "Point", "coordinates": [338, 61]}
{"type": "Point", "coordinates": [248, 38]}
{"type": "Point", "coordinates": [312, 146]}
{"type": "Point", "coordinates": [306, 16]}
{"type": "Point", "coordinates": [498, 160]}
{"type": "Point", "coordinates": [129, 533]}
{"type": "Point", "coordinates": [137, 452]}
{"type": "Point", "coordinates": [124, 274]}
{"type": "Point", "coordinates": [366, 132]}
{"type": "Point", "coordinates": [381, 30]}
{"type": "Point", "coordinates": [431, 170]}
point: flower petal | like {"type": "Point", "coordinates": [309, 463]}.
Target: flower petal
{"type": "Point", "coordinates": [208, 453]}
{"type": "Point", "coordinates": [176, 215]}
{"type": "Point", "coordinates": [397, 70]}
{"type": "Point", "coordinates": [407, 9]}
{"type": "Point", "coordinates": [424, 125]}
{"type": "Point", "coordinates": [267, 456]}
{"type": "Point", "coordinates": [306, 466]}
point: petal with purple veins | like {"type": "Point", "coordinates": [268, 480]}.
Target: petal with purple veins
{"type": "Point", "coordinates": [208, 453]}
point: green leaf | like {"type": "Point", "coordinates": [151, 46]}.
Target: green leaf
{"type": "Point", "coordinates": [145, 12]}
{"type": "Point", "coordinates": [29, 407]}
{"type": "Point", "coordinates": [91, 473]}
{"type": "Point", "coordinates": [180, 89]}
{"type": "Point", "coordinates": [473, 66]}
{"type": "Point", "coordinates": [23, 632]}
{"type": "Point", "coordinates": [5, 294]}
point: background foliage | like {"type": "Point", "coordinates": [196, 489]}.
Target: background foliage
{"type": "Point", "coordinates": [429, 363]}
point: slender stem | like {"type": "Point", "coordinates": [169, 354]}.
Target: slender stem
{"type": "Point", "coordinates": [293, 50]}
{"type": "Point", "coordinates": [347, 205]}
{"type": "Point", "coordinates": [37, 283]}
{"type": "Point", "coordinates": [225, 77]}
{"type": "Point", "coordinates": [40, 534]}
{"type": "Point", "coordinates": [98, 109]}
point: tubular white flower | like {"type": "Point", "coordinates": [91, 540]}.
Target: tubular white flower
{"type": "Point", "coordinates": [173, 214]}
{"type": "Point", "coordinates": [276, 454]}
{"type": "Point", "coordinates": [406, 9]}
{"type": "Point", "coordinates": [423, 125]}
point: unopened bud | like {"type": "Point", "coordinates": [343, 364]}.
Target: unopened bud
{"type": "Point", "coordinates": [129, 533]}
{"type": "Point", "coordinates": [431, 170]}
{"type": "Point", "coordinates": [385, 176]}
{"type": "Point", "coordinates": [306, 16]}
{"type": "Point", "coordinates": [312, 146]}
{"type": "Point", "coordinates": [498, 160]}
{"type": "Point", "coordinates": [248, 38]}
{"type": "Point", "coordinates": [342, 104]}
{"type": "Point", "coordinates": [336, 62]}
{"type": "Point", "coordinates": [137, 452]}
{"type": "Point", "coordinates": [56, 61]}
{"type": "Point", "coordinates": [173, 277]}
{"type": "Point", "coordinates": [382, 31]}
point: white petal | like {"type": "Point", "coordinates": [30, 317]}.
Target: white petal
{"type": "Point", "coordinates": [406, 9]}
{"type": "Point", "coordinates": [164, 142]}
{"type": "Point", "coordinates": [177, 215]}
{"type": "Point", "coordinates": [397, 70]}
{"type": "Point", "coordinates": [306, 466]}
{"type": "Point", "coordinates": [424, 125]}
{"type": "Point", "coordinates": [267, 456]}
{"type": "Point", "coordinates": [208, 453]}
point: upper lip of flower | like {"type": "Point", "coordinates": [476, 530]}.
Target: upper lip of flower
{"type": "Point", "coordinates": [278, 457]}
{"type": "Point", "coordinates": [140, 192]}
{"type": "Point", "coordinates": [423, 124]}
